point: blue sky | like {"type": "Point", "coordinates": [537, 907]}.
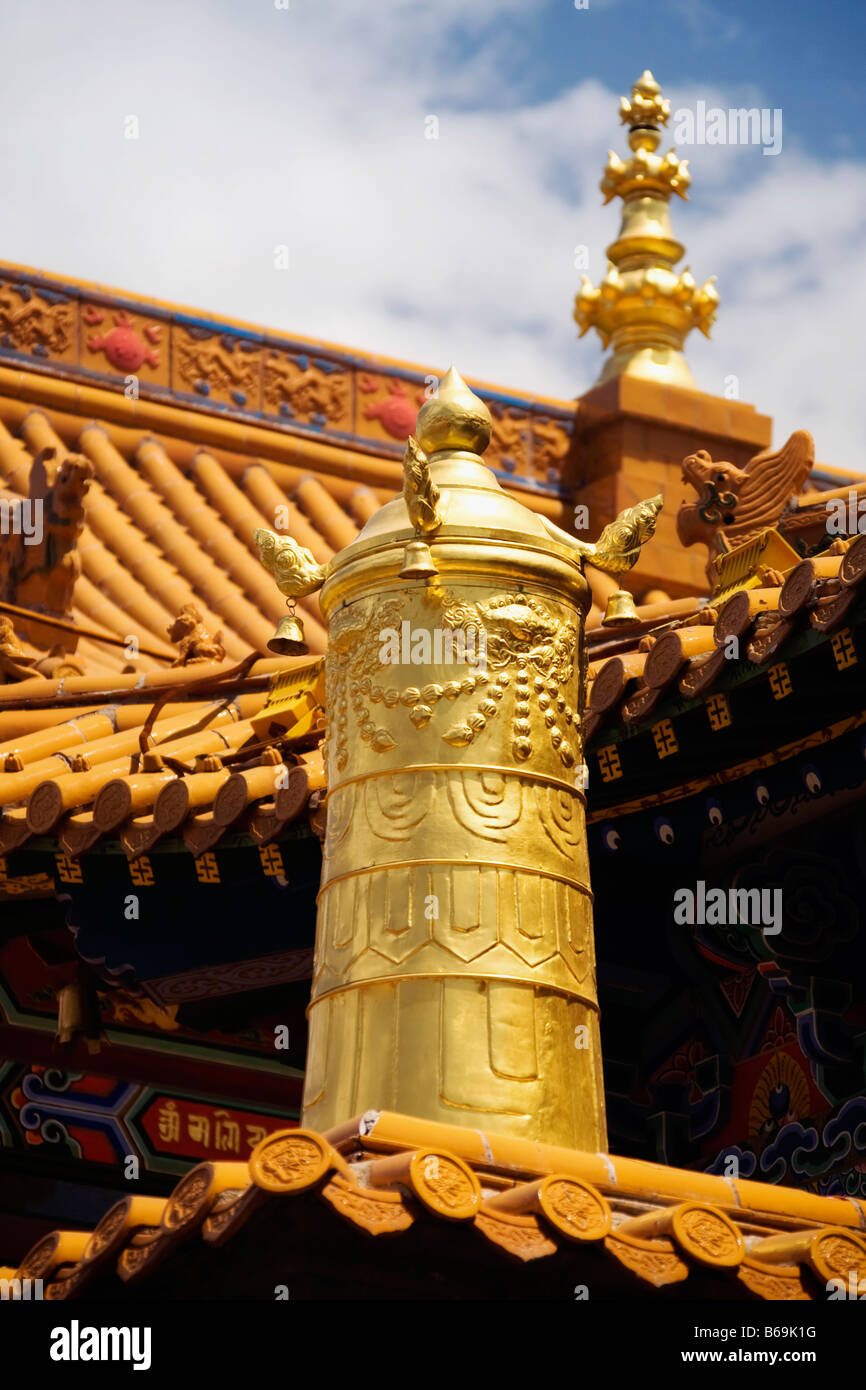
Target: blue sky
{"type": "Point", "coordinates": [803, 56]}
{"type": "Point", "coordinates": [305, 126]}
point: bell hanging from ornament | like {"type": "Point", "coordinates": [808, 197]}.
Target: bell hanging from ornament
{"type": "Point", "coordinates": [289, 640]}
{"type": "Point", "coordinates": [620, 610]}
{"type": "Point", "coordinates": [418, 561]}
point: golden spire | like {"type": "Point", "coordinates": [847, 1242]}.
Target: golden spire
{"type": "Point", "coordinates": [642, 306]}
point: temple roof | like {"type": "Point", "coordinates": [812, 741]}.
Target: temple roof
{"type": "Point", "coordinates": [694, 650]}
{"type": "Point", "coordinates": [466, 1214]}
{"type": "Point", "coordinates": [156, 447]}
{"type": "Point", "coordinates": [170, 610]}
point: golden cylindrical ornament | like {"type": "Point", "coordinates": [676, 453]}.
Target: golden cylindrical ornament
{"type": "Point", "coordinates": [454, 974]}
{"type": "Point", "coordinates": [455, 970]}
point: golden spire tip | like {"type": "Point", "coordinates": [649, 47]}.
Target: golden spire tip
{"type": "Point", "coordinates": [454, 418]}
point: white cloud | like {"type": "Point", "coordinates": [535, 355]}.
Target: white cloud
{"type": "Point", "coordinates": [306, 127]}
{"type": "Point", "coordinates": [707, 23]}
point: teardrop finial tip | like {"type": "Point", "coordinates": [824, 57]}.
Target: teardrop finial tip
{"type": "Point", "coordinates": [454, 418]}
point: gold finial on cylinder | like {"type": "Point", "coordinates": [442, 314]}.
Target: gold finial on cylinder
{"type": "Point", "coordinates": [454, 418]}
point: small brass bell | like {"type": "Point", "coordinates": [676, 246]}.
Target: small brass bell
{"type": "Point", "coordinates": [289, 640]}
{"type": "Point", "coordinates": [417, 561]}
{"type": "Point", "coordinates": [78, 1014]}
{"type": "Point", "coordinates": [620, 610]}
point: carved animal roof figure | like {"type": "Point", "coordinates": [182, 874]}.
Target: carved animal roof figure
{"type": "Point", "coordinates": [736, 504]}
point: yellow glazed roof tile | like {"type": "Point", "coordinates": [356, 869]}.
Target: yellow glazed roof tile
{"type": "Point", "coordinates": [627, 1227]}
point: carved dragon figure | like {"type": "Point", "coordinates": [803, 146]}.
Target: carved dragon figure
{"type": "Point", "coordinates": [619, 545]}
{"type": "Point", "coordinates": [736, 504]}
{"type": "Point", "coordinates": [420, 493]}
{"type": "Point", "coordinates": [294, 568]}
